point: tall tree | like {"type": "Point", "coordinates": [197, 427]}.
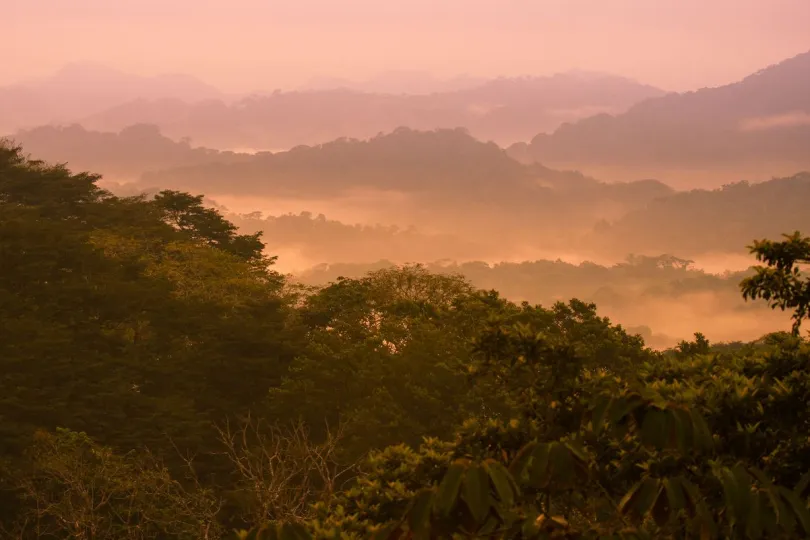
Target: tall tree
{"type": "Point", "coordinates": [781, 281]}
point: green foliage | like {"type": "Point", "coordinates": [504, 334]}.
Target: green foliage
{"type": "Point", "coordinates": [781, 282]}
{"type": "Point", "coordinates": [623, 289]}
{"type": "Point", "coordinates": [686, 349]}
{"type": "Point", "coordinates": [421, 406]}
{"type": "Point", "coordinates": [137, 321]}
{"type": "Point", "coordinates": [187, 214]}
{"type": "Point", "coordinates": [693, 444]}
{"type": "Point", "coordinates": [559, 488]}
{"type": "Point", "coordinates": [75, 488]}
{"type": "Point", "coordinates": [385, 355]}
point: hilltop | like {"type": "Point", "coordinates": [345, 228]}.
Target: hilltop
{"type": "Point", "coordinates": [761, 123]}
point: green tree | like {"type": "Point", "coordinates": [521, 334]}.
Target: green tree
{"type": "Point", "coordinates": [780, 282]}
{"type": "Point", "coordinates": [137, 321]}
{"type": "Point", "coordinates": [187, 213]}
{"type": "Point", "coordinates": [385, 355]}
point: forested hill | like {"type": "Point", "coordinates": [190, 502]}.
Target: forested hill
{"type": "Point", "coordinates": [459, 198]}
{"type": "Point", "coordinates": [161, 381]}
{"type": "Point", "coordinates": [605, 222]}
{"type": "Point", "coordinates": [760, 121]}
{"type": "Point", "coordinates": [404, 160]}
{"type": "Point", "coordinates": [121, 156]}
{"type": "Point", "coordinates": [444, 181]}
{"type": "Point", "coordinates": [705, 221]}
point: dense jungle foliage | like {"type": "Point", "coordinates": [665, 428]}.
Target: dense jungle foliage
{"type": "Point", "coordinates": [160, 380]}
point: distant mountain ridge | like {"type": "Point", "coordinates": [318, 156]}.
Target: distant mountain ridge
{"type": "Point", "coordinates": [467, 198]}
{"type": "Point", "coordinates": [764, 118]}
{"type": "Point", "coordinates": [444, 180]}
{"type": "Point", "coordinates": [396, 82]}
{"type": "Point", "coordinates": [415, 82]}
{"type": "Point", "coordinates": [503, 110]}
{"type": "Point", "coordinates": [82, 89]}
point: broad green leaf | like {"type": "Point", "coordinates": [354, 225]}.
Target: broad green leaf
{"type": "Point", "coordinates": [799, 508]}
{"type": "Point", "coordinates": [655, 427]}
{"type": "Point", "coordinates": [577, 451]}
{"type": "Point", "coordinates": [518, 466]}
{"type": "Point", "coordinates": [744, 489]}
{"type": "Point", "coordinates": [627, 500]}
{"type": "Point", "coordinates": [705, 521]}
{"type": "Point", "coordinates": [661, 510]}
{"type": "Point", "coordinates": [504, 484]}
{"type": "Point", "coordinates": [647, 495]}
{"type": "Point", "coordinates": [783, 518]}
{"type": "Point", "coordinates": [686, 430]}
{"type": "Point", "coordinates": [703, 435]}
{"type": "Point", "coordinates": [449, 487]}
{"type": "Point", "coordinates": [600, 410]}
{"type": "Point", "coordinates": [419, 513]}
{"type": "Point", "coordinates": [621, 408]}
{"type": "Point", "coordinates": [561, 463]}
{"type": "Point", "coordinates": [761, 476]}
{"type": "Point", "coordinates": [695, 500]}
{"type": "Point", "coordinates": [475, 491]}
{"type": "Point", "coordinates": [731, 494]}
{"type": "Point", "coordinates": [538, 468]}
{"type": "Point", "coordinates": [753, 524]}
{"type": "Point", "coordinates": [675, 495]}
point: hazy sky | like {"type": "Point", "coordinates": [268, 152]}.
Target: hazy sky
{"type": "Point", "coordinates": [264, 44]}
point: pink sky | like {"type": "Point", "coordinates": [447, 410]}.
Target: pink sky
{"type": "Point", "coordinates": [242, 45]}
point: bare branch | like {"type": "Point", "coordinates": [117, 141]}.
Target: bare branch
{"type": "Point", "coordinates": [281, 471]}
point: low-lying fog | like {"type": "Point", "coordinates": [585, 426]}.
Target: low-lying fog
{"type": "Point", "coordinates": [664, 305]}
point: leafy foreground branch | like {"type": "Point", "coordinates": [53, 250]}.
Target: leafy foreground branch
{"type": "Point", "coordinates": [780, 281]}
{"type": "Point", "coordinates": [689, 446]}
{"type": "Point", "coordinates": [678, 488]}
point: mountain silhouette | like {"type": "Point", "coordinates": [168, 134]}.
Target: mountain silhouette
{"type": "Point", "coordinates": [762, 119]}
{"type": "Point", "coordinates": [503, 110]}
{"type": "Point", "coordinates": [82, 89]}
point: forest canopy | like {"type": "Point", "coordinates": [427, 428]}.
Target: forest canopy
{"type": "Point", "coordinates": [161, 380]}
